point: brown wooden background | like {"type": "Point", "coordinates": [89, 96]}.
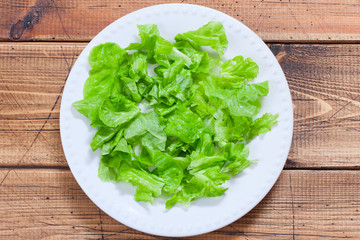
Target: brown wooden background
{"type": "Point", "coordinates": [317, 44]}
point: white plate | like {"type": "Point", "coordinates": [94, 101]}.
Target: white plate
{"type": "Point", "coordinates": [207, 214]}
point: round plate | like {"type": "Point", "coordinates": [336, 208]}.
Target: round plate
{"type": "Point", "coordinates": [206, 214]}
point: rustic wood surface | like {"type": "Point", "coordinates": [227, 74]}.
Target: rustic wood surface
{"type": "Point", "coordinates": [317, 195]}
{"type": "Point", "coordinates": [48, 203]}
{"type": "Point", "coordinates": [273, 20]}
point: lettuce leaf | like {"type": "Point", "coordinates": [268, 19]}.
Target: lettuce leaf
{"type": "Point", "coordinates": [147, 130]}
{"type": "Point", "coordinates": [262, 125]}
{"type": "Point", "coordinates": [183, 131]}
{"type": "Point", "coordinates": [148, 185]}
{"type": "Point", "coordinates": [237, 155]}
{"type": "Point", "coordinates": [185, 125]}
{"type": "Point", "coordinates": [236, 71]}
{"type": "Point", "coordinates": [117, 111]}
{"type": "Point", "coordinates": [148, 34]}
{"type": "Point", "coordinates": [169, 170]}
{"type": "Point", "coordinates": [205, 183]}
{"type": "Point", "coordinates": [211, 34]}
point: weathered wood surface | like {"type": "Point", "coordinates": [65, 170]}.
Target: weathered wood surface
{"type": "Point", "coordinates": [39, 198]}
{"type": "Point", "coordinates": [325, 86]}
{"type": "Point", "coordinates": [273, 20]}
{"type": "Point", "coordinates": [304, 204]}
{"type": "Point", "coordinates": [324, 82]}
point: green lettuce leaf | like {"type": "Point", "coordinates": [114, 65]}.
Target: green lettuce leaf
{"type": "Point", "coordinates": [169, 170]}
{"type": "Point", "coordinates": [262, 125]}
{"type": "Point", "coordinates": [102, 135]}
{"type": "Point", "coordinates": [205, 183]}
{"type": "Point", "coordinates": [236, 71]}
{"type": "Point", "coordinates": [108, 56]}
{"type": "Point", "coordinates": [148, 34]}
{"type": "Point", "coordinates": [109, 146]}
{"type": "Point", "coordinates": [148, 185]}
{"type": "Point", "coordinates": [107, 62]}
{"type": "Point", "coordinates": [201, 162]}
{"type": "Point", "coordinates": [117, 111]}
{"type": "Point", "coordinates": [108, 174]}
{"type": "Point", "coordinates": [185, 125]}
{"type": "Point", "coordinates": [198, 113]}
{"type": "Point", "coordinates": [166, 52]}
{"type": "Point", "coordinates": [205, 146]}
{"type": "Point", "coordinates": [90, 109]}
{"type": "Point", "coordinates": [237, 158]}
{"type": "Point", "coordinates": [211, 34]}
{"type": "Point", "coordinates": [138, 66]}
{"type": "Point", "coordinates": [230, 128]}
{"type": "Point", "coordinates": [244, 101]}
{"type": "Point", "coordinates": [146, 128]}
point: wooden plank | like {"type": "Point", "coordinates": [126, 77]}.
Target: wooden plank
{"type": "Point", "coordinates": [323, 80]}
{"type": "Point", "coordinates": [302, 205]}
{"type": "Point", "coordinates": [325, 87]}
{"type": "Point", "coordinates": [31, 83]}
{"type": "Point", "coordinates": [273, 20]}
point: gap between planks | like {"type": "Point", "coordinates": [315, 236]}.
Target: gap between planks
{"type": "Point", "coordinates": [344, 42]}
{"type": "Point", "coordinates": [345, 168]}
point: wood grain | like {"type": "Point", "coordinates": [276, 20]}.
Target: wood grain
{"type": "Point", "coordinates": [273, 20]}
{"type": "Point", "coordinates": [325, 87]}
{"type": "Point", "coordinates": [324, 82]}
{"type": "Point", "coordinates": [296, 208]}
{"type": "Point", "coordinates": [39, 197]}
{"type": "Point", "coordinates": [32, 78]}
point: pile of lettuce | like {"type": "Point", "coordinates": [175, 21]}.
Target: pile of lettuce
{"type": "Point", "coordinates": [199, 113]}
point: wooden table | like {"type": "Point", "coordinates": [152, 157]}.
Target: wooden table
{"type": "Point", "coordinates": [317, 44]}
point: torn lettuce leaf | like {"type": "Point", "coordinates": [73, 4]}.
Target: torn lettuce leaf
{"type": "Point", "coordinates": [201, 113]}
{"type": "Point", "coordinates": [211, 35]}
{"type": "Point", "coordinates": [235, 72]}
